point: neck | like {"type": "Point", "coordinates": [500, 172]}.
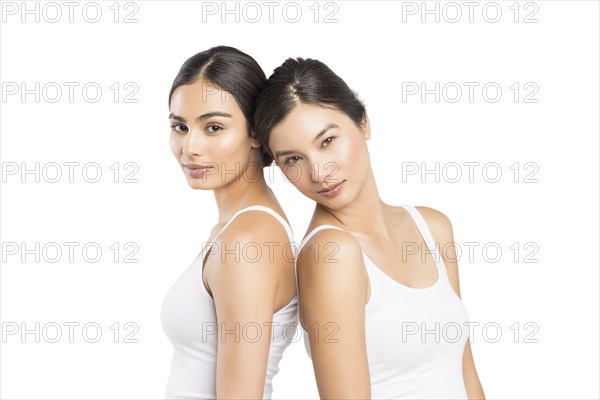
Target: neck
{"type": "Point", "coordinates": [243, 191]}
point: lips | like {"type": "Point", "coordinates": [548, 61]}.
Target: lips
{"type": "Point", "coordinates": [197, 170]}
{"type": "Point", "coordinates": [332, 190]}
{"type": "Point", "coordinates": [195, 166]}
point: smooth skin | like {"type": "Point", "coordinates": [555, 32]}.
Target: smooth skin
{"type": "Point", "coordinates": [209, 128]}
{"type": "Point", "coordinates": [318, 147]}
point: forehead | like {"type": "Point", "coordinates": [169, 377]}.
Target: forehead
{"type": "Point", "coordinates": [303, 123]}
{"type": "Point", "coordinates": [203, 96]}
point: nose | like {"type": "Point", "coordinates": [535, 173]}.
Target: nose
{"type": "Point", "coordinates": [193, 144]}
{"type": "Point", "coordinates": [323, 171]}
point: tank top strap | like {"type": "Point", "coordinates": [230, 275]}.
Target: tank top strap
{"type": "Point", "coordinates": [313, 232]}
{"type": "Point", "coordinates": [427, 237]}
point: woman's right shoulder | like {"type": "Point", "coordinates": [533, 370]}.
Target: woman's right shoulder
{"type": "Point", "coordinates": [331, 271]}
{"type": "Point", "coordinates": [329, 246]}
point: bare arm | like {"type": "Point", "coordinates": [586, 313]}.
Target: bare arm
{"type": "Point", "coordinates": [244, 291]}
{"type": "Point", "coordinates": [441, 229]}
{"type": "Point", "coordinates": [332, 294]}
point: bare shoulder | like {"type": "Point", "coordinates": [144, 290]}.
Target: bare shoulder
{"type": "Point", "coordinates": [256, 227]}
{"type": "Point", "coordinates": [439, 224]}
{"type": "Point", "coordinates": [330, 254]}
{"type": "Point", "coordinates": [330, 249]}
{"type": "Point", "coordinates": [331, 267]}
{"type": "Point", "coordinates": [332, 279]}
{"type": "Point", "coordinates": [253, 239]}
{"type": "Point", "coordinates": [247, 257]}
{"type": "Point", "coordinates": [433, 216]}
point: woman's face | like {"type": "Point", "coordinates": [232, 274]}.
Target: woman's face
{"type": "Point", "coordinates": [323, 153]}
{"type": "Point", "coordinates": [209, 135]}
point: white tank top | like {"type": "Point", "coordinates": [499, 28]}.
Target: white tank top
{"type": "Point", "coordinates": [189, 320]}
{"type": "Point", "coordinates": [415, 337]}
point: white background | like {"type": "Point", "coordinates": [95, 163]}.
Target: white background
{"type": "Point", "coordinates": [376, 53]}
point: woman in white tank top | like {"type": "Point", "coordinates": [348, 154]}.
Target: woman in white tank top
{"type": "Point", "coordinates": [380, 306]}
{"type": "Point", "coordinates": [233, 311]}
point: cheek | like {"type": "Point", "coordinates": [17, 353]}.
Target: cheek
{"type": "Point", "coordinates": [228, 146]}
{"type": "Point", "coordinates": [351, 155]}
{"type": "Point", "coordinates": [294, 174]}
{"type": "Point", "coordinates": [298, 175]}
{"type": "Point", "coordinates": [176, 145]}
{"type": "Point", "coordinates": [304, 182]}
{"type": "Point", "coordinates": [340, 159]}
{"type": "Point", "coordinates": [304, 187]}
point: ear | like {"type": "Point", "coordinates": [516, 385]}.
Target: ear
{"type": "Point", "coordinates": [365, 125]}
{"type": "Point", "coordinates": [254, 143]}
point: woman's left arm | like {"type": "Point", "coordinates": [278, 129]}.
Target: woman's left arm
{"type": "Point", "coordinates": [441, 229]}
{"type": "Point", "coordinates": [244, 293]}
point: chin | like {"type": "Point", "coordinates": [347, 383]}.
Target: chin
{"type": "Point", "coordinates": [335, 203]}
{"type": "Point", "coordinates": [199, 184]}
{"type": "Point", "coordinates": [341, 201]}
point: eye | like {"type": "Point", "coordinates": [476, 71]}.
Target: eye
{"type": "Point", "coordinates": [327, 141]}
{"type": "Point", "coordinates": [180, 128]}
{"type": "Point", "coordinates": [291, 160]}
{"type": "Point", "coordinates": [213, 128]}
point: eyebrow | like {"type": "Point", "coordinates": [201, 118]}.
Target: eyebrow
{"type": "Point", "coordinates": [202, 117]}
{"type": "Point", "coordinates": [323, 131]}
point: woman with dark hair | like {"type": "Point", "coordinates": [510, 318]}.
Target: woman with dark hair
{"type": "Point", "coordinates": [232, 312]}
{"type": "Point", "coordinates": [379, 304]}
